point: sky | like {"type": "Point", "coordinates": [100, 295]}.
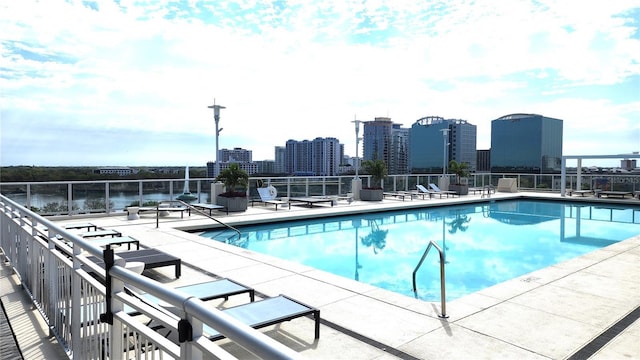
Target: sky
{"type": "Point", "coordinates": [128, 83]}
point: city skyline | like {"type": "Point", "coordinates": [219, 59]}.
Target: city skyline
{"type": "Point", "coordinates": [115, 83]}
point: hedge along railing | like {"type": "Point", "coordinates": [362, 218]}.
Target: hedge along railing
{"type": "Point", "coordinates": [77, 197]}
{"type": "Point", "coordinates": [91, 323]}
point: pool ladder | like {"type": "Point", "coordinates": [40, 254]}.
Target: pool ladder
{"type": "Point", "coordinates": [443, 302]}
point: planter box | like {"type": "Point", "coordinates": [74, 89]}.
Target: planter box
{"type": "Point", "coordinates": [459, 189]}
{"type": "Point", "coordinates": [233, 204]}
{"type": "Point", "coordinates": [371, 194]}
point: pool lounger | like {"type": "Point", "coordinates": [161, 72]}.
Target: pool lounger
{"type": "Point", "coordinates": [210, 207]}
{"type": "Point", "coordinates": [268, 312]}
{"type": "Point", "coordinates": [398, 195]}
{"type": "Point", "coordinates": [272, 202]}
{"type": "Point", "coordinates": [88, 226]}
{"type": "Point", "coordinates": [118, 241]}
{"type": "Point", "coordinates": [257, 314]}
{"type": "Point", "coordinates": [162, 211]}
{"type": "Point", "coordinates": [582, 193]}
{"type": "Point", "coordinates": [621, 194]}
{"type": "Point", "coordinates": [100, 233]}
{"type": "Point", "coordinates": [152, 258]}
{"type": "Point", "coordinates": [210, 290]}
{"type": "Point", "coordinates": [310, 201]}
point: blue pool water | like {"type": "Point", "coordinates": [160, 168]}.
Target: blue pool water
{"type": "Point", "coordinates": [484, 244]}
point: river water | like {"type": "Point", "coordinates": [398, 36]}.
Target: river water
{"type": "Point", "coordinates": [118, 201]}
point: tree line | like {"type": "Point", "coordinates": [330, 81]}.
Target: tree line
{"type": "Point", "coordinates": [81, 173]}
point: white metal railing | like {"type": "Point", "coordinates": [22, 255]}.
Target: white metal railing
{"type": "Point", "coordinates": [76, 197]}
{"type": "Point", "coordinates": [91, 322]}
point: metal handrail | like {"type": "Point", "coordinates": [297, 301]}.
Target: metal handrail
{"type": "Point", "coordinates": [190, 207]}
{"type": "Point", "coordinates": [443, 301]}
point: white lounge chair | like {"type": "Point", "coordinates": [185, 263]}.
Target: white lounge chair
{"type": "Point", "coordinates": [269, 195]}
{"type": "Point", "coordinates": [436, 190]}
{"type": "Point", "coordinates": [424, 190]}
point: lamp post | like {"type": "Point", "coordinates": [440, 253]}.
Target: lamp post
{"type": "Point", "coordinates": [356, 183]}
{"type": "Point", "coordinates": [445, 140]}
{"type": "Point", "coordinates": [216, 117]}
{"type": "Point", "coordinates": [357, 122]}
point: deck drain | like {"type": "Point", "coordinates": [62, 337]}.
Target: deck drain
{"type": "Point", "coordinates": [530, 279]}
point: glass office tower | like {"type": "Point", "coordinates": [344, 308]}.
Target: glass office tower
{"type": "Point", "coordinates": [526, 143]}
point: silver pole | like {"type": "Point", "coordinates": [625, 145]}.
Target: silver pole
{"type": "Point", "coordinates": [357, 122]}
{"type": "Point", "coordinates": [445, 132]}
{"type": "Point", "coordinates": [216, 117]}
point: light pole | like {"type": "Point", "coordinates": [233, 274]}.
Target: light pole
{"type": "Point", "coordinates": [216, 117]}
{"type": "Point", "coordinates": [356, 183]}
{"type": "Point", "coordinates": [357, 122]}
{"type": "Point", "coordinates": [445, 140]}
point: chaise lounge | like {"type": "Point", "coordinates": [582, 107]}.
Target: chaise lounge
{"type": "Point", "coordinates": [256, 314]}
{"type": "Point", "coordinates": [269, 311]}
{"type": "Point", "coordinates": [269, 195]}
{"type": "Point", "coordinates": [436, 190]}
{"type": "Point", "coordinates": [310, 201]}
{"type": "Point", "coordinates": [620, 194]}
{"type": "Point", "coordinates": [152, 258]}
{"type": "Point", "coordinates": [398, 195]}
{"type": "Point", "coordinates": [210, 290]}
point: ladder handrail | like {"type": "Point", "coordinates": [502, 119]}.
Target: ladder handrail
{"type": "Point", "coordinates": [443, 301]}
{"type": "Point", "coordinates": [190, 207]}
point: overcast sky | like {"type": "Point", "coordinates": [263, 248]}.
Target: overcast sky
{"type": "Point", "coordinates": [128, 82]}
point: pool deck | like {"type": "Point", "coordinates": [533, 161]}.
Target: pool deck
{"type": "Point", "coordinates": [569, 310]}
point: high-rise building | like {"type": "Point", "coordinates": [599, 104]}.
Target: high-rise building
{"type": "Point", "coordinates": [526, 143]}
{"type": "Point", "coordinates": [326, 157]}
{"type": "Point", "coordinates": [249, 167]}
{"type": "Point", "coordinates": [483, 162]}
{"type": "Point", "coordinates": [399, 154]}
{"type": "Point", "coordinates": [265, 166]}
{"type": "Point", "coordinates": [237, 155]}
{"type": "Point", "coordinates": [387, 141]}
{"type": "Point", "coordinates": [434, 141]}
{"type": "Point", "coordinates": [319, 157]}
{"type": "Point", "coordinates": [298, 157]}
{"type": "Point", "coordinates": [280, 160]}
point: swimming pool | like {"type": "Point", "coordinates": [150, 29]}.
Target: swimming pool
{"type": "Point", "coordinates": [484, 243]}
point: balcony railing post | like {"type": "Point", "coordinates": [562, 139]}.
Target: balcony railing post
{"type": "Point", "coordinates": [140, 202]}
{"type": "Point", "coordinates": [76, 294]}
{"type": "Point", "coordinates": [70, 198]}
{"type": "Point", "coordinates": [28, 196]}
{"type": "Point", "coordinates": [107, 197]}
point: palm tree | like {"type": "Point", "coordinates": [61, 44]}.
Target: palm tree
{"type": "Point", "coordinates": [233, 177]}
{"type": "Point", "coordinates": [461, 169]}
{"type": "Point", "coordinates": [377, 169]}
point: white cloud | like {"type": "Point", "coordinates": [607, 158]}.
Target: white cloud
{"type": "Point", "coordinates": [305, 70]}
